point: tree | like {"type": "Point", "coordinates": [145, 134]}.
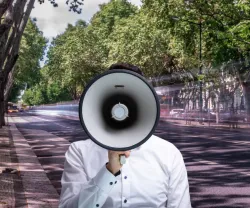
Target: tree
{"type": "Point", "coordinates": [73, 58]}
{"type": "Point", "coordinates": [81, 51]}
{"type": "Point", "coordinates": [103, 23]}
{"type": "Point", "coordinates": [150, 37]}
{"type": "Point", "coordinates": [14, 17]}
{"type": "Point", "coordinates": [225, 33]}
{"type": "Point", "coordinates": [110, 13]}
{"type": "Point", "coordinates": [27, 69]}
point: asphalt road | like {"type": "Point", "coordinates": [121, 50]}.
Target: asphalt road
{"type": "Point", "coordinates": [218, 161]}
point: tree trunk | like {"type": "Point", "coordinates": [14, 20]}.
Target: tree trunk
{"type": "Point", "coordinates": [8, 40]}
{"type": "Point", "coordinates": [4, 5]}
{"type": "Point", "coordinates": [9, 85]}
{"type": "Point", "coordinates": [4, 33]}
{"type": "Point", "coordinates": [9, 51]}
{"type": "Point", "coordinates": [2, 122]}
{"type": "Point", "coordinates": [2, 100]}
{"type": "Point", "coordinates": [11, 59]}
{"type": "Point", "coordinates": [246, 92]}
{"type": "Point", "coordinates": [8, 88]}
{"type": "Point", "coordinates": [217, 111]}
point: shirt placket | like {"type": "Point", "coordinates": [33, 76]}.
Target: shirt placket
{"type": "Point", "coordinates": [126, 185]}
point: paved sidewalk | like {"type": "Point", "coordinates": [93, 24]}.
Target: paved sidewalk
{"type": "Point", "coordinates": [8, 179]}
{"type": "Point", "coordinates": [23, 182]}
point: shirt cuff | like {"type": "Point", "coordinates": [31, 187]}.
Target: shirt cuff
{"type": "Point", "coordinates": [105, 180]}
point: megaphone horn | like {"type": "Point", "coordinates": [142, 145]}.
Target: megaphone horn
{"type": "Point", "coordinates": [119, 110]}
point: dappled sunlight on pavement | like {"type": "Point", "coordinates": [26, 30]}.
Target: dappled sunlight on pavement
{"type": "Point", "coordinates": [217, 162]}
{"type": "Point", "coordinates": [217, 159]}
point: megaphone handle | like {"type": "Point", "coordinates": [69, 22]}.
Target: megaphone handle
{"type": "Point", "coordinates": [122, 159]}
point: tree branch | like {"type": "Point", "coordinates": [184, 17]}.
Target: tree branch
{"type": "Point", "coordinates": [4, 5]}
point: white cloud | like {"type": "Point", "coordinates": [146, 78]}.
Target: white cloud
{"type": "Point", "coordinates": [53, 21]}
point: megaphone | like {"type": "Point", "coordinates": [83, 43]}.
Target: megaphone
{"type": "Point", "coordinates": [119, 110]}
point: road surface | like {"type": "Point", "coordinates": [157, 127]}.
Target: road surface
{"type": "Point", "coordinates": [218, 161]}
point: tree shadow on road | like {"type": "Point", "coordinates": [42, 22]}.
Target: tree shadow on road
{"type": "Point", "coordinates": [218, 164]}
{"type": "Point", "coordinates": [218, 161]}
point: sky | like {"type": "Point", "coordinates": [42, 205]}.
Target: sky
{"type": "Point", "coordinates": [53, 21]}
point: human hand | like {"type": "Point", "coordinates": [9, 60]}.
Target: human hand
{"type": "Point", "coordinates": [114, 164]}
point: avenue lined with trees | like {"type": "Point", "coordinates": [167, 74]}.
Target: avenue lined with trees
{"type": "Point", "coordinates": [14, 18]}
{"type": "Point", "coordinates": [158, 37]}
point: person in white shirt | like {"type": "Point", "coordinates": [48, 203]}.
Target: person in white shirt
{"type": "Point", "coordinates": [154, 175]}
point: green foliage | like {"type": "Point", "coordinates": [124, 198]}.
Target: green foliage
{"type": "Point", "coordinates": [162, 37]}
{"type": "Point", "coordinates": [27, 68]}
{"type": "Point", "coordinates": [104, 21]}
{"type": "Point", "coordinates": [225, 28]}
{"type": "Point", "coordinates": [137, 40]}
{"type": "Point", "coordinates": [55, 93]}
{"type": "Point", "coordinates": [74, 57]}
{"type": "Point", "coordinates": [81, 52]}
{"type": "Point", "coordinates": [34, 96]}
{"type": "Point", "coordinates": [28, 97]}
{"type": "Point", "coordinates": [15, 92]}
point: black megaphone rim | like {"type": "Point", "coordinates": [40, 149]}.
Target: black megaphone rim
{"type": "Point", "coordinates": [105, 74]}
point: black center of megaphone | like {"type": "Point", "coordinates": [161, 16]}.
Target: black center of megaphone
{"type": "Point", "coordinates": [110, 102]}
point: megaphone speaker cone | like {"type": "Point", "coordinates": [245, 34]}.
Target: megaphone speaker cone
{"type": "Point", "coordinates": [119, 110]}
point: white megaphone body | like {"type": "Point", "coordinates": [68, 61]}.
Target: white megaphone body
{"type": "Point", "coordinates": [119, 110]}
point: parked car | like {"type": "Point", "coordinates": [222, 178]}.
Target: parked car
{"type": "Point", "coordinates": [175, 112]}
{"type": "Point", "coordinates": [13, 109]}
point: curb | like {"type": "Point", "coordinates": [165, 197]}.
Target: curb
{"type": "Point", "coordinates": [38, 189]}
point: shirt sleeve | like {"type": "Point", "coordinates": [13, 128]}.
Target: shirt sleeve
{"type": "Point", "coordinates": [178, 192]}
{"type": "Point", "coordinates": [80, 191]}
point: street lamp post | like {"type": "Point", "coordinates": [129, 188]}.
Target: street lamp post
{"type": "Point", "coordinates": [200, 58]}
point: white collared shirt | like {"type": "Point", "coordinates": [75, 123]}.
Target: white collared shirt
{"type": "Point", "coordinates": [154, 176]}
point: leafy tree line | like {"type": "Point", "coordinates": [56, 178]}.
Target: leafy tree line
{"type": "Point", "coordinates": [78, 54]}
{"type": "Point", "coordinates": [161, 37]}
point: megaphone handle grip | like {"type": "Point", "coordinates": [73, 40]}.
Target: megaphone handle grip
{"type": "Point", "coordinates": [122, 159]}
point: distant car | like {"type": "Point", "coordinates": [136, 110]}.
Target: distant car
{"type": "Point", "coordinates": [21, 109]}
{"type": "Point", "coordinates": [13, 109]}
{"type": "Point", "coordinates": [175, 112]}
{"type": "Point", "coordinates": [197, 115]}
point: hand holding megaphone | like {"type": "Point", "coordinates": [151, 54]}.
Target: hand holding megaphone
{"type": "Point", "coordinates": [115, 164]}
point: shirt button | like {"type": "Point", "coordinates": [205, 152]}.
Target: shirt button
{"type": "Point", "coordinates": [111, 183]}
{"type": "Point", "coordinates": [97, 205]}
{"type": "Point", "coordinates": [125, 201]}
{"type": "Point", "coordinates": [125, 177]}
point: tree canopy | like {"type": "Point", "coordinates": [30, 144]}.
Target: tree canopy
{"type": "Point", "coordinates": [161, 37]}
{"type": "Point", "coordinates": [27, 68]}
